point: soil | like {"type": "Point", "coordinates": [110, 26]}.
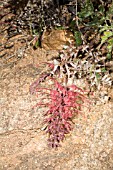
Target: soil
{"type": "Point", "coordinates": [23, 141]}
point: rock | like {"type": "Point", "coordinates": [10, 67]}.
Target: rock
{"type": "Point", "coordinates": [55, 39]}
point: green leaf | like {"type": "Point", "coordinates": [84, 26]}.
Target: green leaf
{"type": "Point", "coordinates": [37, 44]}
{"type": "Point", "coordinates": [97, 75]}
{"type": "Point", "coordinates": [104, 38]}
{"type": "Point", "coordinates": [109, 47]}
{"type": "Point", "coordinates": [103, 70]}
{"type": "Point", "coordinates": [87, 10]}
{"type": "Point", "coordinates": [109, 56]}
{"type": "Point", "coordinates": [78, 38]}
{"type": "Point", "coordinates": [110, 41]}
{"type": "Point", "coordinates": [59, 28]}
{"type": "Point", "coordinates": [108, 34]}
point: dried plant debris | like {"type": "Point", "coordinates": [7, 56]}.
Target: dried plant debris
{"type": "Point", "coordinates": [37, 15]}
{"type": "Point", "coordinates": [83, 62]}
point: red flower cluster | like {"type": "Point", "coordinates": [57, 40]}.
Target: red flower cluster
{"type": "Point", "coordinates": [65, 102]}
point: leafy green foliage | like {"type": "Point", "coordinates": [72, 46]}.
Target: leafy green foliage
{"type": "Point", "coordinates": [107, 32]}
{"type": "Point", "coordinates": [78, 39]}
{"type": "Point", "coordinates": [87, 10]}
{"type": "Point", "coordinates": [89, 17]}
{"type": "Point", "coordinates": [98, 17]}
{"type": "Point", "coordinates": [107, 37]}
